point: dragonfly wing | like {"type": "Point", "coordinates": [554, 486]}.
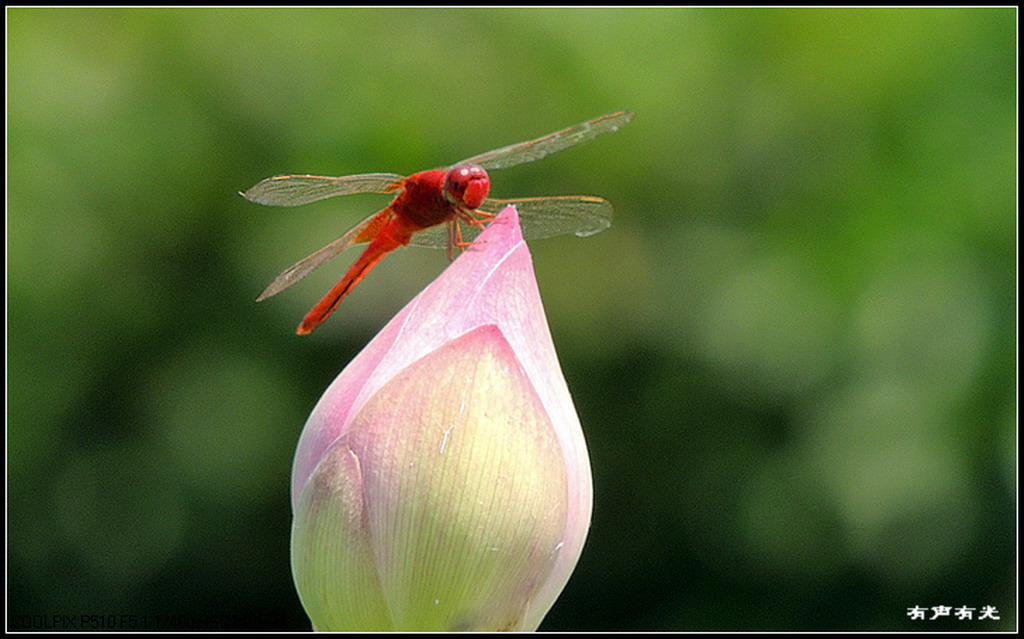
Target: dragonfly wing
{"type": "Point", "coordinates": [358, 234]}
{"type": "Point", "coordinates": [293, 190]}
{"type": "Point", "coordinates": [444, 236]}
{"type": "Point", "coordinates": [540, 217]}
{"type": "Point", "coordinates": [435, 237]}
{"type": "Point", "coordinates": [534, 150]}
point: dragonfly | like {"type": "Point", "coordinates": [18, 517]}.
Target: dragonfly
{"type": "Point", "coordinates": [439, 208]}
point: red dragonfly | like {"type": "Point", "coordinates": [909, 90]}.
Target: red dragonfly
{"type": "Point", "coordinates": [440, 208]}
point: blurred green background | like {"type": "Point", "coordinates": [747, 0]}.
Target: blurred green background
{"type": "Point", "coordinates": [793, 354]}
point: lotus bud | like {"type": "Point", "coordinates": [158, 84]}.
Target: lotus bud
{"type": "Point", "coordinates": [442, 481]}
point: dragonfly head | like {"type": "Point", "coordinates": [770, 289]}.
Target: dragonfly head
{"type": "Point", "coordinates": [467, 185]}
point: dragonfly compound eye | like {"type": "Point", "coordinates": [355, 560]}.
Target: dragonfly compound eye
{"type": "Point", "coordinates": [468, 185]}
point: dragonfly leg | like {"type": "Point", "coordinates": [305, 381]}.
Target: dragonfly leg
{"type": "Point", "coordinates": [459, 242]}
{"type": "Point", "coordinates": [479, 218]}
{"type": "Point", "coordinates": [454, 238]}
